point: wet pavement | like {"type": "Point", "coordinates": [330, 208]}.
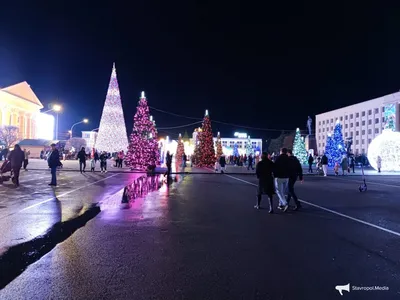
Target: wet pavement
{"type": "Point", "coordinates": [199, 237]}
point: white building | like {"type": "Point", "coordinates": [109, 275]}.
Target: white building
{"type": "Point", "coordinates": [90, 137]}
{"type": "Point", "coordinates": [362, 121]}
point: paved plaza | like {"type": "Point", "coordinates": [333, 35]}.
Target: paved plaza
{"type": "Point", "coordinates": [199, 237]}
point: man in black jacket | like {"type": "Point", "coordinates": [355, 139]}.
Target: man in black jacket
{"type": "Point", "coordinates": [54, 162]}
{"type": "Point", "coordinates": [296, 171]}
{"type": "Point", "coordinates": [282, 173]}
{"type": "Point", "coordinates": [324, 163]}
{"type": "Point", "coordinates": [16, 159]}
{"type": "Point", "coordinates": [82, 160]}
{"type": "Point", "coordinates": [264, 171]}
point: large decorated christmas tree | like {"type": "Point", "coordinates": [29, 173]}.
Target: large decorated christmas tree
{"type": "Point", "coordinates": [206, 144]}
{"type": "Point", "coordinates": [218, 145]}
{"type": "Point", "coordinates": [336, 149]}
{"type": "Point", "coordinates": [143, 150]}
{"type": "Point", "coordinates": [249, 146]}
{"type": "Point", "coordinates": [180, 149]}
{"type": "Point", "coordinates": [299, 148]}
{"type": "Point", "coordinates": [112, 135]}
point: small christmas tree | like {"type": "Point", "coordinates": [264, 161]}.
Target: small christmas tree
{"type": "Point", "coordinates": [197, 151]}
{"type": "Point", "coordinates": [338, 148]}
{"type": "Point", "coordinates": [218, 145]}
{"type": "Point", "coordinates": [299, 148]}
{"type": "Point", "coordinates": [180, 149]}
{"type": "Point", "coordinates": [143, 147]}
{"type": "Point", "coordinates": [207, 155]}
{"type": "Point", "coordinates": [249, 147]}
{"type": "Point", "coordinates": [328, 149]}
{"type": "Point", "coordinates": [236, 150]}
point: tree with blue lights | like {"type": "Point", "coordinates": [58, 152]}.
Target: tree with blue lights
{"type": "Point", "coordinates": [235, 150]}
{"type": "Point", "coordinates": [335, 149]}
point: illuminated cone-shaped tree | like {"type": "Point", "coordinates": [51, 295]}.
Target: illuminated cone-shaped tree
{"type": "Point", "coordinates": [112, 135]}
{"type": "Point", "coordinates": [207, 155]}
{"type": "Point", "coordinates": [328, 149]}
{"type": "Point", "coordinates": [299, 148]}
{"type": "Point", "coordinates": [236, 150]}
{"type": "Point", "coordinates": [218, 145]}
{"type": "Point", "coordinates": [143, 146]}
{"type": "Point", "coordinates": [180, 149]}
{"type": "Point", "coordinates": [197, 151]}
{"type": "Point", "coordinates": [249, 147]}
{"type": "Point", "coordinates": [338, 148]}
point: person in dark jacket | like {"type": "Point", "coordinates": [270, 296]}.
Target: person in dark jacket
{"type": "Point", "coordinates": [250, 165]}
{"type": "Point", "coordinates": [168, 161]}
{"type": "Point", "coordinates": [310, 162]}
{"type": "Point", "coordinates": [82, 160]}
{"type": "Point", "coordinates": [324, 163]}
{"type": "Point", "coordinates": [54, 162]}
{"type": "Point", "coordinates": [264, 171]}
{"type": "Point", "coordinates": [352, 163]}
{"type": "Point", "coordinates": [282, 173]}
{"type": "Point", "coordinates": [296, 171]}
{"type": "Point", "coordinates": [222, 163]}
{"type": "Point", "coordinates": [16, 159]}
{"type": "Point", "coordinates": [184, 159]}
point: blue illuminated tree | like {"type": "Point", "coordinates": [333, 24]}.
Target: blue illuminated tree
{"type": "Point", "coordinates": [336, 149]}
{"type": "Point", "coordinates": [235, 150]}
{"type": "Point", "coordinates": [328, 149]}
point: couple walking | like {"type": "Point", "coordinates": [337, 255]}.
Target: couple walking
{"type": "Point", "coordinates": [278, 177]}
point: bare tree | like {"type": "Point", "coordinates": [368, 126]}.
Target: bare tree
{"type": "Point", "coordinates": [9, 135]}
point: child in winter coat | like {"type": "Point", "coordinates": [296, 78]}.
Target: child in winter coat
{"type": "Point", "coordinates": [336, 169]}
{"type": "Point", "coordinates": [92, 164]}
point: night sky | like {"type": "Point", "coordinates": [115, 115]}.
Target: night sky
{"type": "Point", "coordinates": [250, 63]}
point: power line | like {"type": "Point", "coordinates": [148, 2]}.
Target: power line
{"type": "Point", "coordinates": [181, 126]}
{"type": "Point", "coordinates": [219, 122]}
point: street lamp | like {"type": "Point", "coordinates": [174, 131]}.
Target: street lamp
{"type": "Point", "coordinates": [80, 122]}
{"type": "Point", "coordinates": [56, 108]}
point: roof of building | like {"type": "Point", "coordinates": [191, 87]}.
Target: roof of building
{"type": "Point", "coordinates": [37, 142]}
{"type": "Point", "coordinates": [23, 90]}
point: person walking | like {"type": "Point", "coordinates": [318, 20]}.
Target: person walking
{"type": "Point", "coordinates": [16, 159]}
{"type": "Point", "coordinates": [352, 163]}
{"type": "Point", "coordinates": [184, 159]}
{"type": "Point", "coordinates": [103, 162]}
{"type": "Point", "coordinates": [379, 164]}
{"type": "Point", "coordinates": [168, 161]}
{"type": "Point", "coordinates": [53, 161]}
{"type": "Point", "coordinates": [324, 162]}
{"type": "Point", "coordinates": [120, 158]}
{"type": "Point", "coordinates": [26, 159]}
{"type": "Point", "coordinates": [344, 165]}
{"type": "Point", "coordinates": [82, 160]}
{"type": "Point", "coordinates": [264, 171]}
{"type": "Point", "coordinates": [296, 171]}
{"type": "Point", "coordinates": [310, 162]}
{"type": "Point", "coordinates": [281, 173]}
{"type": "Point", "coordinates": [222, 163]}
{"type": "Point", "coordinates": [250, 165]}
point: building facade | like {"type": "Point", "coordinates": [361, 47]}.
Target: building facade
{"type": "Point", "coordinates": [19, 106]}
{"type": "Point", "coordinates": [90, 137]}
{"type": "Point", "coordinates": [362, 122]}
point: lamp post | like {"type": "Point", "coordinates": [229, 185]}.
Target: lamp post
{"type": "Point", "coordinates": [57, 108]}
{"type": "Point", "coordinates": [80, 122]}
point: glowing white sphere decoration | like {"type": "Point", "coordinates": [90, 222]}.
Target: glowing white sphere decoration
{"type": "Point", "coordinates": [387, 146]}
